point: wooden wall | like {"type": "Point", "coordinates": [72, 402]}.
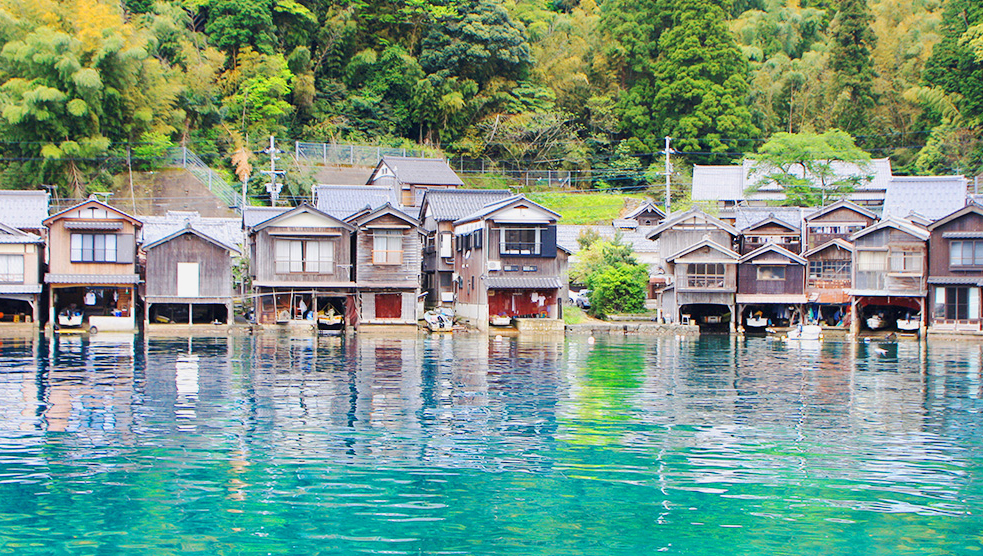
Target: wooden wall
{"type": "Point", "coordinates": [408, 272]}
{"type": "Point", "coordinates": [264, 257]}
{"type": "Point", "coordinates": [215, 266]}
{"type": "Point", "coordinates": [60, 250]}
{"type": "Point", "coordinates": [793, 284]}
{"type": "Point", "coordinates": [939, 247]}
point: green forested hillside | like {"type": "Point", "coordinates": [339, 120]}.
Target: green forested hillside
{"type": "Point", "coordinates": [88, 85]}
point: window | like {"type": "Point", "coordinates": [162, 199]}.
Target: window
{"type": "Point", "coordinates": [966, 253]}
{"type": "Point", "coordinates": [12, 268]}
{"type": "Point", "coordinates": [957, 303]}
{"type": "Point", "coordinates": [829, 270]}
{"type": "Point", "coordinates": [771, 273]}
{"type": "Point", "coordinates": [446, 245]}
{"type": "Point", "coordinates": [520, 241]}
{"type": "Point", "coordinates": [304, 256]}
{"type": "Point", "coordinates": [93, 248]}
{"type": "Point", "coordinates": [387, 247]}
{"type": "Point", "coordinates": [907, 262]}
{"type": "Point", "coordinates": [705, 275]}
{"type": "Point", "coordinates": [871, 261]}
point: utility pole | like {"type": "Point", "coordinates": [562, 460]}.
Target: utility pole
{"type": "Point", "coordinates": [668, 172]}
{"type": "Point", "coordinates": [274, 187]}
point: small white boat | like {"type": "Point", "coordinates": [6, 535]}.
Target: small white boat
{"type": "Point", "coordinates": [756, 322]}
{"type": "Point", "coordinates": [909, 323]}
{"type": "Point", "coordinates": [875, 322]}
{"type": "Point", "coordinates": [806, 332]}
{"type": "Point", "coordinates": [438, 321]}
{"type": "Point", "coordinates": [500, 321]}
{"type": "Point", "coordinates": [70, 318]}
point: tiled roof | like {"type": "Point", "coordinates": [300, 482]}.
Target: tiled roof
{"type": "Point", "coordinates": [20, 288]}
{"type": "Point", "coordinates": [500, 204]}
{"type": "Point", "coordinates": [423, 171]}
{"type": "Point", "coordinates": [523, 282]}
{"type": "Point", "coordinates": [95, 279]}
{"type": "Point", "coordinates": [730, 183]}
{"type": "Point", "coordinates": [452, 204]}
{"type": "Point", "coordinates": [227, 231]}
{"type": "Point", "coordinates": [342, 201]}
{"type": "Point", "coordinates": [11, 235]}
{"type": "Point", "coordinates": [257, 215]}
{"type": "Point", "coordinates": [933, 197]}
{"type": "Point", "coordinates": [23, 209]}
{"type": "Point", "coordinates": [745, 217]}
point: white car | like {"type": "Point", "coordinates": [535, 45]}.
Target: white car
{"type": "Point", "coordinates": [579, 298]}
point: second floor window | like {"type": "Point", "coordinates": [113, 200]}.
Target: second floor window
{"type": "Point", "coordinates": [387, 247]}
{"type": "Point", "coordinates": [294, 255]}
{"type": "Point", "coordinates": [829, 270]}
{"type": "Point", "coordinates": [966, 253]}
{"type": "Point", "coordinates": [12, 268]}
{"type": "Point", "coordinates": [906, 262]}
{"type": "Point", "coordinates": [705, 275]}
{"type": "Point", "coordinates": [521, 241]}
{"type": "Point", "coordinates": [93, 248]}
{"type": "Point", "coordinates": [771, 272]}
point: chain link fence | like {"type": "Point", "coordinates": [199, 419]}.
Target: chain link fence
{"type": "Point", "coordinates": [353, 155]}
{"type": "Point", "coordinates": [183, 158]}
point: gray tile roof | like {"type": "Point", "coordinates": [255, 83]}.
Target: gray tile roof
{"type": "Point", "coordinates": [257, 215]}
{"type": "Point", "coordinates": [227, 231]}
{"type": "Point", "coordinates": [23, 209]}
{"type": "Point", "coordinates": [342, 201]}
{"type": "Point", "coordinates": [523, 282]}
{"type": "Point", "coordinates": [933, 197]}
{"type": "Point", "coordinates": [452, 204]}
{"type": "Point", "coordinates": [495, 206]}
{"type": "Point", "coordinates": [422, 171]}
{"type": "Point", "coordinates": [20, 288]}
{"type": "Point", "coordinates": [730, 183]}
{"type": "Point", "coordinates": [745, 217]}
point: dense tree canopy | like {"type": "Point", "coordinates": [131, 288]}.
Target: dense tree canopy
{"type": "Point", "coordinates": [565, 84]}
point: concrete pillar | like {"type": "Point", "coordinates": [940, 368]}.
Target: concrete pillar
{"type": "Point", "coordinates": [922, 329]}
{"type": "Point", "coordinates": [51, 307]}
{"type": "Point", "coordinates": [733, 318]}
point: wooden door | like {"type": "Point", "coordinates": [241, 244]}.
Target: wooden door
{"type": "Point", "coordinates": [388, 306]}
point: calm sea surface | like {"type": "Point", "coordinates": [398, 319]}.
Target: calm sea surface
{"type": "Point", "coordinates": [476, 445]}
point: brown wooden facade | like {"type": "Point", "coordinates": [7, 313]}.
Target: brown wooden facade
{"type": "Point", "coordinates": [301, 268]}
{"type": "Point", "coordinates": [890, 266]}
{"type": "Point", "coordinates": [829, 279]}
{"type": "Point", "coordinates": [771, 231]}
{"type": "Point", "coordinates": [837, 221]}
{"type": "Point", "coordinates": [508, 263]}
{"type": "Point", "coordinates": [92, 266]}
{"type": "Point", "coordinates": [388, 253]}
{"type": "Point", "coordinates": [955, 274]}
{"type": "Point", "coordinates": [188, 279]}
{"type": "Point", "coordinates": [771, 286]}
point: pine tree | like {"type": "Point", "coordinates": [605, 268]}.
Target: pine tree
{"type": "Point", "coordinates": [853, 42]}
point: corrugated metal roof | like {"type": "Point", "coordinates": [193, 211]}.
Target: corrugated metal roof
{"type": "Point", "coordinates": [227, 231]}
{"type": "Point", "coordinates": [342, 201]}
{"type": "Point", "coordinates": [523, 283]}
{"type": "Point", "coordinates": [93, 279]}
{"type": "Point", "coordinates": [452, 204]}
{"type": "Point", "coordinates": [933, 197]}
{"type": "Point", "coordinates": [422, 171]}
{"type": "Point", "coordinates": [24, 210]}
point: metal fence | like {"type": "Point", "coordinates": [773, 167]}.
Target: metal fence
{"type": "Point", "coordinates": [353, 155]}
{"type": "Point", "coordinates": [182, 157]}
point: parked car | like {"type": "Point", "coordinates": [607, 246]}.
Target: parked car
{"type": "Point", "coordinates": [579, 298]}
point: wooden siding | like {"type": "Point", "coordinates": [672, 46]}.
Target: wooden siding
{"type": "Point", "coordinates": [793, 284]}
{"type": "Point", "coordinates": [674, 240]}
{"type": "Point", "coordinates": [407, 272]}
{"type": "Point", "coordinates": [939, 246]}
{"type": "Point", "coordinates": [840, 216]}
{"type": "Point", "coordinates": [60, 250]}
{"type": "Point", "coordinates": [264, 257]}
{"type": "Point", "coordinates": [215, 266]}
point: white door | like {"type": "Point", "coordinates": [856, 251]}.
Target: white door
{"type": "Point", "coordinates": [187, 279]}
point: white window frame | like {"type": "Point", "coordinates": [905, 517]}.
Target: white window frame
{"type": "Point", "coordinates": [297, 256]}
{"type": "Point", "coordinates": [387, 247]}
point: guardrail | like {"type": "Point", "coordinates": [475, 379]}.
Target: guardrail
{"type": "Point", "coordinates": [182, 157]}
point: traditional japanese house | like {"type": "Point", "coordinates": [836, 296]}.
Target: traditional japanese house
{"type": "Point", "coordinates": [829, 279]}
{"type": "Point", "coordinates": [889, 277]}
{"type": "Point", "coordinates": [646, 214]}
{"type": "Point", "coordinates": [839, 220]}
{"type": "Point", "coordinates": [388, 251]}
{"type": "Point", "coordinates": [702, 264]}
{"type": "Point", "coordinates": [507, 263]}
{"type": "Point", "coordinates": [955, 274]}
{"type": "Point", "coordinates": [189, 278]}
{"type": "Point", "coordinates": [771, 230]}
{"type": "Point", "coordinates": [770, 287]}
{"type": "Point", "coordinates": [21, 263]}
{"type": "Point", "coordinates": [413, 177]}
{"type": "Point", "coordinates": [92, 273]}
{"type": "Point", "coordinates": [301, 268]}
{"type": "Point", "coordinates": [22, 255]}
{"type": "Point", "coordinates": [440, 208]}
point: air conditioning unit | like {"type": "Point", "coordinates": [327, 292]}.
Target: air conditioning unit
{"type": "Point", "coordinates": [494, 265]}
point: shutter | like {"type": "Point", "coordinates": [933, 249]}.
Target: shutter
{"type": "Point", "coordinates": [477, 239]}
{"type": "Point", "coordinates": [125, 247]}
{"type": "Point", "coordinates": [458, 243]}
{"type": "Point", "coordinates": [548, 248]}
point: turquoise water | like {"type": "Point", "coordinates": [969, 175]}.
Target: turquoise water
{"type": "Point", "coordinates": [266, 445]}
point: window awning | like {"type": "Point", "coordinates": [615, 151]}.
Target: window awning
{"type": "Point", "coordinates": [523, 283]}
{"type": "Point", "coordinates": [93, 225]}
